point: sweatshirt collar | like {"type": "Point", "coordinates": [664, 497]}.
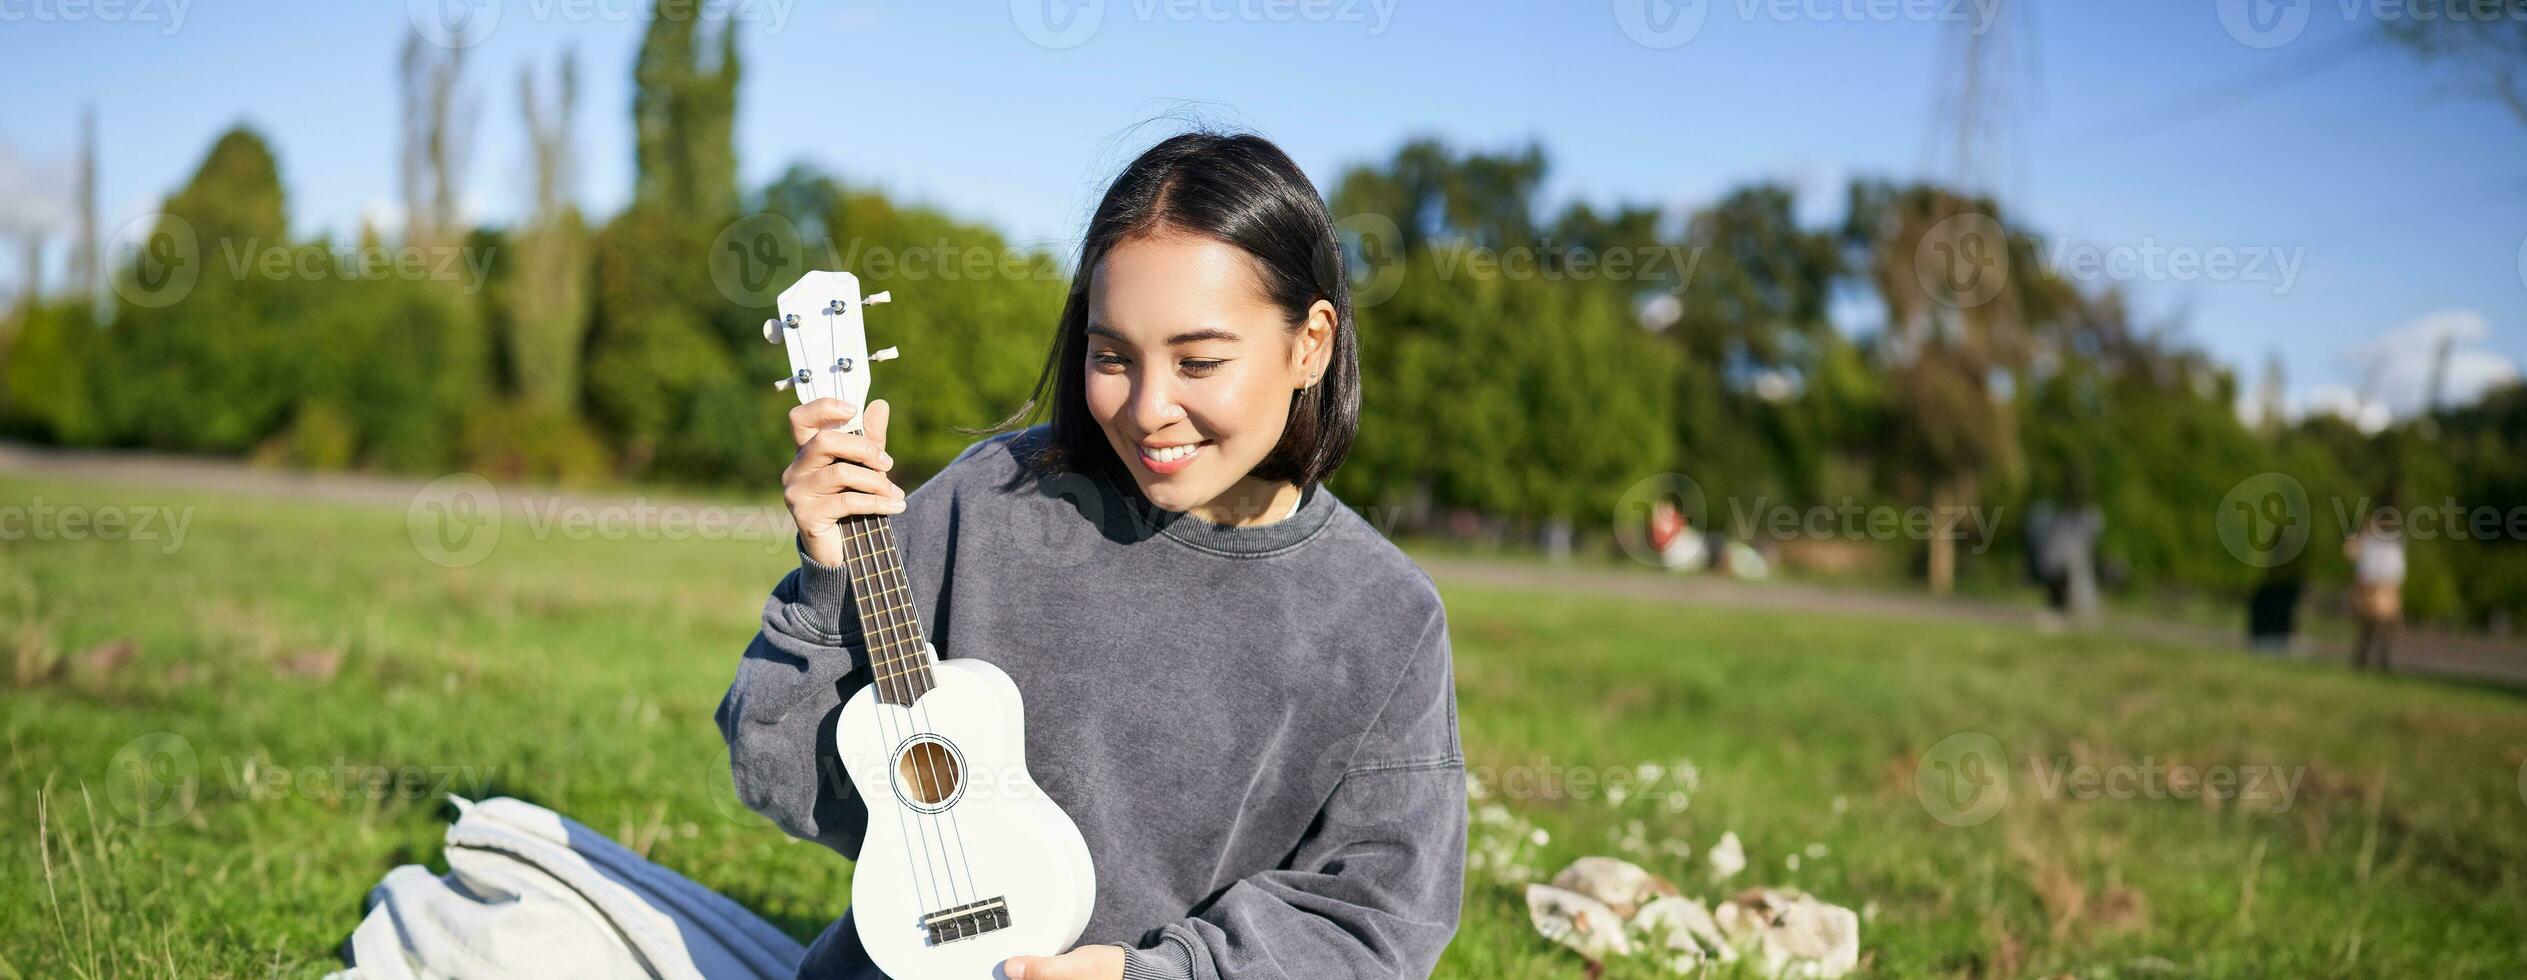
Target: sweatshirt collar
{"type": "Point", "coordinates": [1316, 509]}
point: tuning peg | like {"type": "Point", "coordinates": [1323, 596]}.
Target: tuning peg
{"type": "Point", "coordinates": [792, 381]}
{"type": "Point", "coordinates": [781, 385]}
{"type": "Point", "coordinates": [876, 298]}
{"type": "Point", "coordinates": [884, 355]}
{"type": "Point", "coordinates": [772, 328]}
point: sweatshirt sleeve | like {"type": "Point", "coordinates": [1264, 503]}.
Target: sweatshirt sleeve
{"type": "Point", "coordinates": [778, 715]}
{"type": "Point", "coordinates": [1375, 888]}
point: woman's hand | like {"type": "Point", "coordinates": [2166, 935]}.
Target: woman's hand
{"type": "Point", "coordinates": [1085, 963]}
{"type": "Point", "coordinates": [836, 474]}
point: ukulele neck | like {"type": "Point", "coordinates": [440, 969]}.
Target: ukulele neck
{"type": "Point", "coordinates": [888, 624]}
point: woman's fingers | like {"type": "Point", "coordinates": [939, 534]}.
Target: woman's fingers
{"type": "Point", "coordinates": [875, 425]}
{"type": "Point", "coordinates": [1094, 962]}
{"type": "Point", "coordinates": [810, 418]}
{"type": "Point", "coordinates": [834, 445]}
{"type": "Point", "coordinates": [848, 504]}
{"type": "Point", "coordinates": [837, 474]}
{"type": "Point", "coordinates": [813, 509]}
{"type": "Point", "coordinates": [840, 477]}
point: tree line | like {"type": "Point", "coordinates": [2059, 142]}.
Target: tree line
{"type": "Point", "coordinates": [1527, 370]}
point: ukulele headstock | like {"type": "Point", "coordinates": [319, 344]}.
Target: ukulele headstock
{"type": "Point", "coordinates": [822, 326]}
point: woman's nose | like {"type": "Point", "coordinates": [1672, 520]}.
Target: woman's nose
{"type": "Point", "coordinates": [1154, 404]}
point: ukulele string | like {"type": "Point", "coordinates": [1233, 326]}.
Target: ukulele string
{"type": "Point", "coordinates": [822, 383]}
{"type": "Point", "coordinates": [877, 535]}
{"type": "Point", "coordinates": [883, 531]}
{"type": "Point", "coordinates": [924, 824]}
{"type": "Point", "coordinates": [878, 530]}
{"type": "Point", "coordinates": [919, 870]}
{"type": "Point", "coordinates": [870, 572]}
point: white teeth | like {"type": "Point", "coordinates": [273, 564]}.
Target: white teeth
{"type": "Point", "coordinates": [1171, 453]}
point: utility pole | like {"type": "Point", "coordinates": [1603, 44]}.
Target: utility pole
{"type": "Point", "coordinates": [84, 278]}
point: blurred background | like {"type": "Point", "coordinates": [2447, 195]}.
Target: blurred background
{"type": "Point", "coordinates": [2113, 374]}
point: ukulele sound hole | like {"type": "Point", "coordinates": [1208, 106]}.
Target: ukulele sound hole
{"type": "Point", "coordinates": [928, 773]}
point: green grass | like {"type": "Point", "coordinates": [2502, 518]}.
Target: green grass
{"type": "Point", "coordinates": [581, 674]}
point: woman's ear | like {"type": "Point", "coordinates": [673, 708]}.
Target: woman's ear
{"type": "Point", "coordinates": [1313, 348]}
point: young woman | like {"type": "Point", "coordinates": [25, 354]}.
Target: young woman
{"type": "Point", "coordinates": [1237, 688]}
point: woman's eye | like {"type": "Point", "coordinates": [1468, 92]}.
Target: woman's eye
{"type": "Point", "coordinates": [1108, 360]}
{"type": "Point", "coordinates": [1200, 368]}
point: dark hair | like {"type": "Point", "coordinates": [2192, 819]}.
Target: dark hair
{"type": "Point", "coordinates": [1241, 190]}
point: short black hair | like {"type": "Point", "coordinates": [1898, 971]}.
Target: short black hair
{"type": "Point", "coordinates": [1240, 189]}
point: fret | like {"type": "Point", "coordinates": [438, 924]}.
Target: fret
{"type": "Point", "coordinates": [889, 622]}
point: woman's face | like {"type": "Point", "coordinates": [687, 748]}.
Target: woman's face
{"type": "Point", "coordinates": [1191, 371]}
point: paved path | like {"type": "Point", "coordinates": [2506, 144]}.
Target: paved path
{"type": "Point", "coordinates": [2421, 652]}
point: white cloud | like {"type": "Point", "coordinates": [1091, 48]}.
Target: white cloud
{"type": "Point", "coordinates": [384, 215]}
{"type": "Point", "coordinates": [2339, 400]}
{"type": "Point", "coordinates": [2394, 371]}
{"type": "Point", "coordinates": [2398, 366]}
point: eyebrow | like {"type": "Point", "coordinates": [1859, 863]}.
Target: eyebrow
{"type": "Point", "coordinates": [1187, 337]}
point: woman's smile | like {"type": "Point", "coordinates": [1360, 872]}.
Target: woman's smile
{"type": "Point", "coordinates": [1170, 459]}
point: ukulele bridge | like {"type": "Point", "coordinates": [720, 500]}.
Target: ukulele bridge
{"type": "Point", "coordinates": [967, 921]}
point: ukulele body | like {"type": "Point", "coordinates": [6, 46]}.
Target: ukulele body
{"type": "Point", "coordinates": [957, 822]}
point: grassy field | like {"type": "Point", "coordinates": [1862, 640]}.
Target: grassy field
{"type": "Point", "coordinates": [313, 640]}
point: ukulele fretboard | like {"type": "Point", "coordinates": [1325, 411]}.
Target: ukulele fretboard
{"type": "Point", "coordinates": [888, 623]}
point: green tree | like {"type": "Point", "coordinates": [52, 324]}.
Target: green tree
{"type": "Point", "coordinates": [1964, 299]}
{"type": "Point", "coordinates": [1550, 399]}
{"type": "Point", "coordinates": [2482, 42]}
{"type": "Point", "coordinates": [664, 343]}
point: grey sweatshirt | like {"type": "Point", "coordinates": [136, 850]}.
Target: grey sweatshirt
{"type": "Point", "coordinates": [1254, 727]}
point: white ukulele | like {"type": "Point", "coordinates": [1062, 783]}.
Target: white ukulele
{"type": "Point", "coordinates": [966, 862]}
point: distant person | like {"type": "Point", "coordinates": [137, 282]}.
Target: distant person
{"type": "Point", "coordinates": [2062, 555]}
{"type": "Point", "coordinates": [1673, 537]}
{"type": "Point", "coordinates": [2272, 610]}
{"type": "Point", "coordinates": [2377, 556]}
{"type": "Point", "coordinates": [1680, 547]}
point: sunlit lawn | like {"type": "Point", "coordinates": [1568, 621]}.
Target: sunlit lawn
{"type": "Point", "coordinates": [313, 639]}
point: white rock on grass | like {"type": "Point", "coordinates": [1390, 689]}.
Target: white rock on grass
{"type": "Point", "coordinates": [1622, 885]}
{"type": "Point", "coordinates": [1791, 934]}
{"type": "Point", "coordinates": [1604, 907]}
{"type": "Point", "coordinates": [1685, 927]}
{"type": "Point", "coordinates": [1582, 923]}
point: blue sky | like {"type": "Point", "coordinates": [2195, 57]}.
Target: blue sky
{"type": "Point", "coordinates": [2386, 205]}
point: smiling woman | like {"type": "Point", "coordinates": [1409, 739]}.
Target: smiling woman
{"type": "Point", "coordinates": [1209, 346]}
{"type": "Point", "coordinates": [1239, 690]}
{"type": "Point", "coordinates": [1194, 413]}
